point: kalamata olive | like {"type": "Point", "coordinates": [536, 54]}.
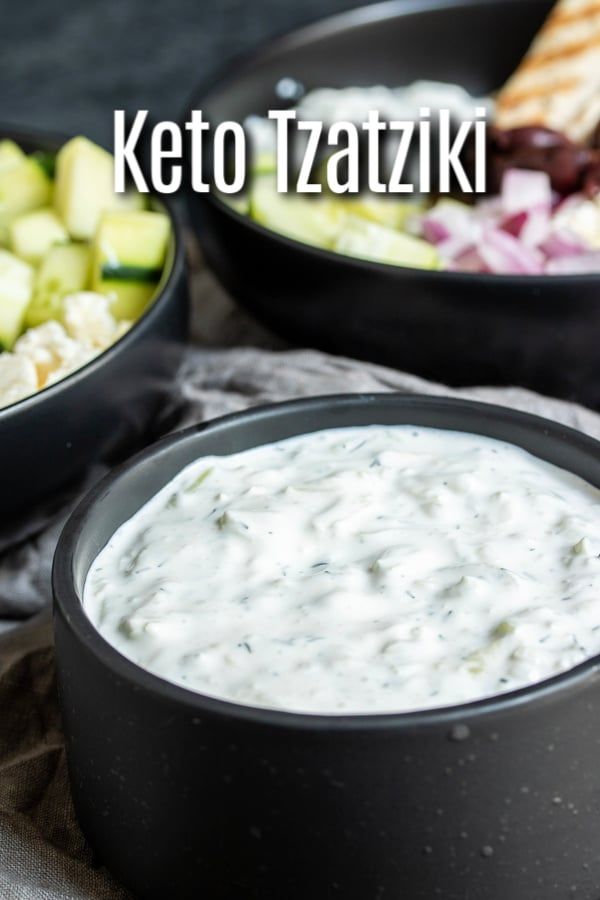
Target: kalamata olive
{"type": "Point", "coordinates": [570, 166]}
{"type": "Point", "coordinates": [530, 137]}
{"type": "Point", "coordinates": [591, 182]}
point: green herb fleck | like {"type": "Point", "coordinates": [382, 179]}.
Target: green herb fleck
{"type": "Point", "coordinates": [223, 521]}
{"type": "Point", "coordinates": [199, 480]}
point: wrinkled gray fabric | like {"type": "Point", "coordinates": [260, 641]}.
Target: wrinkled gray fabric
{"type": "Point", "coordinates": [42, 853]}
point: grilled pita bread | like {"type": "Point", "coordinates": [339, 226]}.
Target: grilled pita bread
{"type": "Point", "coordinates": [557, 85]}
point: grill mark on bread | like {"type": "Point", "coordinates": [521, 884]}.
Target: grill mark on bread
{"type": "Point", "coordinates": [511, 98]}
{"type": "Point", "coordinates": [557, 82]}
{"type": "Point", "coordinates": [537, 60]}
{"type": "Point", "coordinates": [562, 17]}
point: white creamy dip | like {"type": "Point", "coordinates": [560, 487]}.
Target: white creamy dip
{"type": "Point", "coordinates": [353, 104]}
{"type": "Point", "coordinates": [357, 570]}
{"type": "Point", "coordinates": [403, 103]}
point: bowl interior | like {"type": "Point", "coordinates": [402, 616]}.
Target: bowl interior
{"type": "Point", "coordinates": [474, 43]}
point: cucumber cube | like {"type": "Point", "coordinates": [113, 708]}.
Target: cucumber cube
{"type": "Point", "coordinates": [64, 270]}
{"type": "Point", "coordinates": [32, 234]}
{"type": "Point", "coordinates": [84, 187]}
{"type": "Point", "coordinates": [10, 155]}
{"type": "Point", "coordinates": [264, 163]}
{"type": "Point", "coordinates": [130, 201]}
{"type": "Point", "coordinates": [23, 187]}
{"type": "Point", "coordinates": [129, 257]}
{"type": "Point", "coordinates": [16, 284]}
{"type": "Point", "coordinates": [386, 211]}
{"type": "Point", "coordinates": [128, 299]}
{"type": "Point", "coordinates": [367, 240]}
{"type": "Point", "coordinates": [314, 221]}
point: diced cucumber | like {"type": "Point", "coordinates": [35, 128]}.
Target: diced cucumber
{"type": "Point", "coordinates": [128, 299]}
{"type": "Point", "coordinates": [450, 202]}
{"type": "Point", "coordinates": [311, 220]}
{"type": "Point", "coordinates": [16, 284]}
{"type": "Point", "coordinates": [382, 210]}
{"type": "Point", "coordinates": [141, 274]}
{"type": "Point", "coordinates": [46, 160]}
{"type": "Point", "coordinates": [84, 187]}
{"type": "Point", "coordinates": [129, 256]}
{"type": "Point", "coordinates": [32, 234]}
{"type": "Point", "coordinates": [10, 154]}
{"type": "Point", "coordinates": [264, 163]}
{"type": "Point", "coordinates": [130, 200]}
{"type": "Point", "coordinates": [64, 270]}
{"type": "Point", "coordinates": [22, 188]}
{"type": "Point", "coordinates": [136, 240]}
{"type": "Point", "coordinates": [367, 240]}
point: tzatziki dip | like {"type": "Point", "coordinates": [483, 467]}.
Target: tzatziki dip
{"type": "Point", "coordinates": [357, 570]}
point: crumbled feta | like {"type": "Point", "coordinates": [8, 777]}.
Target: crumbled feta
{"type": "Point", "coordinates": [49, 352]}
{"type": "Point", "coordinates": [581, 217]}
{"type": "Point", "coordinates": [53, 353]}
{"type": "Point", "coordinates": [88, 319]}
{"type": "Point", "coordinates": [122, 328]}
{"type": "Point", "coordinates": [18, 378]}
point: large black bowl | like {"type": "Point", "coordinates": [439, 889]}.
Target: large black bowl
{"type": "Point", "coordinates": [541, 332]}
{"type": "Point", "coordinates": [185, 796]}
{"type": "Point", "coordinates": [103, 409]}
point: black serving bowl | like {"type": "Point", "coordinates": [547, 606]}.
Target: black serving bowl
{"type": "Point", "coordinates": [183, 796]}
{"type": "Point", "coordinates": [103, 409]}
{"type": "Point", "coordinates": [538, 331]}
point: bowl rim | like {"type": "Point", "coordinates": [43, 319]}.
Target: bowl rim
{"type": "Point", "coordinates": [173, 272]}
{"type": "Point", "coordinates": [226, 76]}
{"type": "Point", "coordinates": [68, 605]}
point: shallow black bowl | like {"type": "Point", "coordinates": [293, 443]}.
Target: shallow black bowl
{"type": "Point", "coordinates": [541, 332]}
{"type": "Point", "coordinates": [185, 796]}
{"type": "Point", "coordinates": [103, 409]}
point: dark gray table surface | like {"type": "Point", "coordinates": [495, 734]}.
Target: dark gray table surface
{"type": "Point", "coordinates": [67, 65]}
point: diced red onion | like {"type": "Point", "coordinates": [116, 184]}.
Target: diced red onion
{"type": "Point", "coordinates": [561, 243]}
{"type": "Point", "coordinates": [506, 255]}
{"type": "Point", "coordinates": [583, 264]}
{"type": "Point", "coordinates": [450, 220]}
{"type": "Point", "coordinates": [523, 190]}
{"type": "Point", "coordinates": [514, 224]}
{"type": "Point", "coordinates": [434, 231]}
{"type": "Point", "coordinates": [454, 247]}
{"type": "Point", "coordinates": [512, 234]}
{"type": "Point", "coordinates": [470, 260]}
{"type": "Point", "coordinates": [536, 227]}
{"type": "Point", "coordinates": [489, 209]}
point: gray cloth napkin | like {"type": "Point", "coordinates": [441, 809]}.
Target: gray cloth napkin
{"type": "Point", "coordinates": [43, 855]}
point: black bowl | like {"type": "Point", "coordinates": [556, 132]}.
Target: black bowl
{"type": "Point", "coordinates": [103, 409]}
{"type": "Point", "coordinates": [183, 796]}
{"type": "Point", "coordinates": [538, 331]}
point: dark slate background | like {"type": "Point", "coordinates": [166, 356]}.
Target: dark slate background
{"type": "Point", "coordinates": [66, 65]}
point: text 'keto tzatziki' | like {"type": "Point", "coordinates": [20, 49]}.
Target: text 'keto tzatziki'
{"type": "Point", "coordinates": [358, 570]}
